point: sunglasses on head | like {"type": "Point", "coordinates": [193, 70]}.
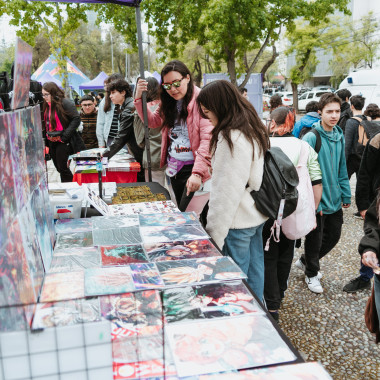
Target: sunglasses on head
{"type": "Point", "coordinates": [176, 84]}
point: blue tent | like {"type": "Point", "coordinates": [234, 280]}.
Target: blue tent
{"type": "Point", "coordinates": [46, 77]}
{"type": "Point", "coordinates": [76, 77]}
{"type": "Point", "coordinates": [96, 84]}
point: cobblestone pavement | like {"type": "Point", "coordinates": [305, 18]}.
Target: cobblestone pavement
{"type": "Point", "coordinates": [330, 327]}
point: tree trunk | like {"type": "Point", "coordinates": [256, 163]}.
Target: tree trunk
{"type": "Point", "coordinates": [270, 61]}
{"type": "Point", "coordinates": [198, 70]}
{"type": "Point", "coordinates": [231, 67]}
{"type": "Point", "coordinates": [295, 96]}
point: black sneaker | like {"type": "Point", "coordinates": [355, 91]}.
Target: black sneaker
{"type": "Point", "coordinates": [274, 315]}
{"type": "Point", "coordinates": [357, 215]}
{"type": "Point", "coordinates": [357, 284]}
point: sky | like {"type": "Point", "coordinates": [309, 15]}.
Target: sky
{"type": "Point", "coordinates": [7, 32]}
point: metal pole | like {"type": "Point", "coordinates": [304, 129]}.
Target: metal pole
{"type": "Point", "coordinates": [145, 111]}
{"type": "Point", "coordinates": [148, 53]}
{"type": "Point", "coordinates": [111, 51]}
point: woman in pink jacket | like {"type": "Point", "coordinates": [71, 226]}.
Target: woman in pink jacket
{"type": "Point", "coordinates": [185, 134]}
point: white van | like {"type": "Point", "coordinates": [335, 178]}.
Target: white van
{"type": "Point", "coordinates": [365, 83]}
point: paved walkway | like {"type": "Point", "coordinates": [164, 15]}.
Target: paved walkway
{"type": "Point", "coordinates": [330, 327]}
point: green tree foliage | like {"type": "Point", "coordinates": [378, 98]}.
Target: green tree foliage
{"type": "Point", "coordinates": [57, 21]}
{"type": "Point", "coordinates": [7, 56]}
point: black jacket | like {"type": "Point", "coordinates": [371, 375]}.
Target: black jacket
{"type": "Point", "coordinates": [368, 180]}
{"type": "Point", "coordinates": [351, 135]}
{"type": "Point", "coordinates": [371, 239]}
{"type": "Point", "coordinates": [345, 114]}
{"type": "Point", "coordinates": [126, 133]}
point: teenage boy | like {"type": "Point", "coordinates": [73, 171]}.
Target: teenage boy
{"type": "Point", "coordinates": [336, 190]}
{"type": "Point", "coordinates": [88, 116]}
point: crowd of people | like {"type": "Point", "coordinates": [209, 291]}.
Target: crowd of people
{"type": "Point", "coordinates": [211, 141]}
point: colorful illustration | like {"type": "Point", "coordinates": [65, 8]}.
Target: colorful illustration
{"type": "Point", "coordinates": [73, 240]}
{"type": "Point", "coordinates": [62, 286]}
{"type": "Point", "coordinates": [43, 188]}
{"type": "Point", "coordinates": [12, 318]}
{"type": "Point", "coordinates": [226, 344]}
{"type": "Point", "coordinates": [209, 269]}
{"type": "Point", "coordinates": [174, 219]}
{"type": "Point", "coordinates": [298, 371]}
{"type": "Point", "coordinates": [66, 313]}
{"type": "Point", "coordinates": [115, 255]}
{"type": "Point", "coordinates": [113, 222]}
{"type": "Point", "coordinates": [8, 206]}
{"type": "Point", "coordinates": [179, 250]}
{"type": "Point", "coordinates": [99, 281]}
{"type": "Point", "coordinates": [146, 276]}
{"type": "Point", "coordinates": [117, 236]}
{"type": "Point", "coordinates": [172, 233]}
{"type": "Point", "coordinates": [133, 314]}
{"type": "Point", "coordinates": [75, 260]}
{"type": "Point", "coordinates": [68, 226]}
{"type": "Point", "coordinates": [22, 70]}
{"type": "Point", "coordinates": [224, 299]}
{"type": "Point", "coordinates": [159, 207]}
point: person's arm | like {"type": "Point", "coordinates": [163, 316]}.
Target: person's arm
{"type": "Point", "coordinates": [349, 135]}
{"type": "Point", "coordinates": [315, 174]}
{"type": "Point", "coordinates": [230, 176]}
{"type": "Point", "coordinates": [73, 120]}
{"type": "Point", "coordinates": [343, 180]}
{"type": "Point", "coordinates": [100, 121]}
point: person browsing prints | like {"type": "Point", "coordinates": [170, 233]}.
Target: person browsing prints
{"type": "Point", "coordinates": [88, 116]}
{"type": "Point", "coordinates": [238, 144]}
{"type": "Point", "coordinates": [184, 132]}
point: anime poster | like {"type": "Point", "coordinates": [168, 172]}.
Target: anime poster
{"type": "Point", "coordinates": [75, 260]}
{"type": "Point", "coordinates": [20, 170]}
{"type": "Point", "coordinates": [117, 236]}
{"type": "Point", "coordinates": [73, 240]}
{"type": "Point", "coordinates": [197, 271]}
{"type": "Point", "coordinates": [146, 276]}
{"type": "Point", "coordinates": [12, 318]}
{"type": "Point", "coordinates": [8, 205]}
{"type": "Point", "coordinates": [174, 219]}
{"type": "Point", "coordinates": [298, 371]}
{"type": "Point", "coordinates": [225, 299]}
{"type": "Point", "coordinates": [62, 286]}
{"type": "Point", "coordinates": [21, 76]}
{"type": "Point", "coordinates": [133, 314]}
{"type": "Point", "coordinates": [66, 313]}
{"type": "Point", "coordinates": [116, 255]}
{"type": "Point", "coordinates": [16, 282]}
{"type": "Point", "coordinates": [159, 207]}
{"type": "Point", "coordinates": [43, 188]}
{"type": "Point", "coordinates": [113, 222]}
{"type": "Point", "coordinates": [69, 226]}
{"type": "Point", "coordinates": [181, 249]}
{"type": "Point", "coordinates": [219, 345]}
{"type": "Point", "coordinates": [42, 227]}
{"type": "Point", "coordinates": [152, 235]}
{"type": "Point", "coordinates": [102, 281]}
{"type": "Point", "coordinates": [40, 145]}
{"type": "Point", "coordinates": [31, 247]}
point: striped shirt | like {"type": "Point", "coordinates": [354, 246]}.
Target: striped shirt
{"type": "Point", "coordinates": [114, 125]}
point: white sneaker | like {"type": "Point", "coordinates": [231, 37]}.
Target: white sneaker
{"type": "Point", "coordinates": [300, 265]}
{"type": "Point", "coordinates": [313, 284]}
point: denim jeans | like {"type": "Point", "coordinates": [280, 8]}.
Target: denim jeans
{"type": "Point", "coordinates": [245, 247]}
{"type": "Point", "coordinates": [377, 295]}
{"type": "Point", "coordinates": [366, 273]}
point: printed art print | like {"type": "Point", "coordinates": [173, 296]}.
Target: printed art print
{"type": "Point", "coordinates": [43, 188]}
{"type": "Point", "coordinates": [115, 255]}
{"type": "Point", "coordinates": [69, 226]}
{"type": "Point", "coordinates": [112, 222]}
{"type": "Point", "coordinates": [74, 240]}
{"type": "Point", "coordinates": [181, 249]}
{"type": "Point", "coordinates": [66, 313]}
{"type": "Point", "coordinates": [8, 205]}
{"type": "Point", "coordinates": [172, 233]}
{"type": "Point", "coordinates": [22, 71]}
{"type": "Point", "coordinates": [146, 276]}
{"type": "Point", "coordinates": [117, 236]}
{"type": "Point", "coordinates": [163, 220]}
{"type": "Point", "coordinates": [75, 260]}
{"type": "Point", "coordinates": [194, 271]}
{"type": "Point", "coordinates": [219, 345]}
{"type": "Point", "coordinates": [103, 281]}
{"type": "Point", "coordinates": [133, 314]}
{"type": "Point", "coordinates": [224, 299]}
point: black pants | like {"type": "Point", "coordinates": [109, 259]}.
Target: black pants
{"type": "Point", "coordinates": [179, 187]}
{"type": "Point", "coordinates": [59, 153]}
{"type": "Point", "coordinates": [277, 261]}
{"type": "Point", "coordinates": [353, 164]}
{"type": "Point", "coordinates": [321, 241]}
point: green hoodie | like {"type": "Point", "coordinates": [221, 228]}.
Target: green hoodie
{"type": "Point", "coordinates": [331, 158]}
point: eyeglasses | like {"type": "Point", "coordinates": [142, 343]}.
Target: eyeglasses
{"type": "Point", "coordinates": [87, 105]}
{"type": "Point", "coordinates": [176, 84]}
{"type": "Point", "coordinates": [45, 95]}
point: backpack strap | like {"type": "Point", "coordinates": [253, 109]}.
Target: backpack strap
{"type": "Point", "coordinates": [318, 143]}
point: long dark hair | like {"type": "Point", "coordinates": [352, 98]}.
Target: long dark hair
{"type": "Point", "coordinates": [168, 108]}
{"type": "Point", "coordinates": [233, 111]}
{"type": "Point", "coordinates": [107, 101]}
{"type": "Point", "coordinates": [57, 95]}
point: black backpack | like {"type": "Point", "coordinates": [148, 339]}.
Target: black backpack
{"type": "Point", "coordinates": [318, 143]}
{"type": "Point", "coordinates": [344, 116]}
{"type": "Point", "coordinates": [280, 181]}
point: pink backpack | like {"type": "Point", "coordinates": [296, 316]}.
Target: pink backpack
{"type": "Point", "coordinates": [302, 220]}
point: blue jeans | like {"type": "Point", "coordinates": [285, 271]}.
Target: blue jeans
{"type": "Point", "coordinates": [377, 295]}
{"type": "Point", "coordinates": [245, 247]}
{"type": "Point", "coordinates": [366, 273]}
